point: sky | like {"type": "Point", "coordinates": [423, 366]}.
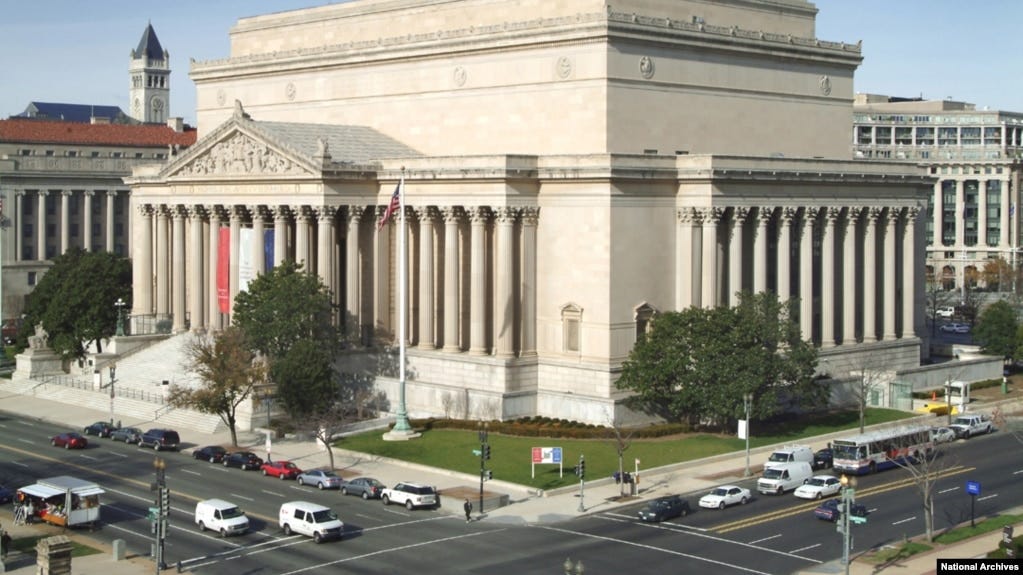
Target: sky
{"type": "Point", "coordinates": [77, 52]}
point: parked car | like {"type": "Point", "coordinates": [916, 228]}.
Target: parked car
{"type": "Point", "coordinates": [411, 495]}
{"type": "Point", "coordinates": [70, 440]}
{"type": "Point", "coordinates": [942, 434]}
{"type": "Point", "coordinates": [280, 469]}
{"type": "Point", "coordinates": [831, 510]}
{"type": "Point", "coordinates": [99, 429]}
{"type": "Point", "coordinates": [721, 497]}
{"type": "Point", "coordinates": [319, 478]}
{"type": "Point", "coordinates": [823, 459]}
{"type": "Point", "coordinates": [955, 328]}
{"type": "Point", "coordinates": [245, 460]}
{"type": "Point", "coordinates": [367, 487]}
{"type": "Point", "coordinates": [818, 487]}
{"type": "Point", "coordinates": [126, 434]}
{"type": "Point", "coordinates": [310, 519]}
{"type": "Point", "coordinates": [160, 439]}
{"type": "Point", "coordinates": [664, 508]}
{"type": "Point", "coordinates": [6, 494]}
{"type": "Point", "coordinates": [211, 453]}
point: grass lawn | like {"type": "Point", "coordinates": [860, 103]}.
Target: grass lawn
{"type": "Point", "coordinates": [911, 548]}
{"type": "Point", "coordinates": [27, 545]}
{"type": "Point", "coordinates": [511, 456]}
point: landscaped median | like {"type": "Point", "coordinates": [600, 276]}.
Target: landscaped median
{"type": "Point", "coordinates": [893, 555]}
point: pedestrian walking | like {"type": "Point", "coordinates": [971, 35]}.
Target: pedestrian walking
{"type": "Point", "coordinates": [5, 544]}
{"type": "Point", "coordinates": [468, 510]}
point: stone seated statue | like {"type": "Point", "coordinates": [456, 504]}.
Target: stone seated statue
{"type": "Point", "coordinates": [39, 340]}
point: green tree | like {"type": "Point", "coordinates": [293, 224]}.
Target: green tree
{"type": "Point", "coordinates": [284, 306]}
{"type": "Point", "coordinates": [996, 330]}
{"type": "Point", "coordinates": [308, 386]}
{"type": "Point", "coordinates": [74, 301]}
{"type": "Point", "coordinates": [696, 365]}
{"type": "Point", "coordinates": [228, 370]}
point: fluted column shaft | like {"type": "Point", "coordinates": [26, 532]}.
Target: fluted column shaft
{"type": "Point", "coordinates": [163, 277]}
{"type": "Point", "coordinates": [142, 265]}
{"type": "Point", "coordinates": [828, 278]}
{"type": "Point", "coordinates": [280, 234]}
{"type": "Point", "coordinates": [890, 280]}
{"type": "Point", "coordinates": [849, 276]}
{"type": "Point", "coordinates": [909, 271]}
{"type": "Point", "coordinates": [258, 247]}
{"type": "Point", "coordinates": [806, 273]}
{"type": "Point", "coordinates": [530, 218]}
{"type": "Point", "coordinates": [41, 225]}
{"type": "Point", "coordinates": [353, 294]}
{"type": "Point", "coordinates": [709, 261]}
{"type": "Point", "coordinates": [108, 225]}
{"type": "Point", "coordinates": [302, 237]}
{"type": "Point", "coordinates": [195, 271]}
{"type": "Point", "coordinates": [981, 213]}
{"type": "Point", "coordinates": [381, 272]}
{"type": "Point", "coordinates": [478, 281]}
{"type": "Point", "coordinates": [451, 218]}
{"type": "Point", "coordinates": [324, 235]}
{"type": "Point", "coordinates": [235, 216]}
{"type": "Point", "coordinates": [735, 254]}
{"type": "Point", "coordinates": [870, 276]}
{"type": "Point", "coordinates": [504, 303]}
{"type": "Point", "coordinates": [65, 221]}
{"type": "Point", "coordinates": [87, 220]}
{"type": "Point", "coordinates": [19, 225]}
{"type": "Point", "coordinates": [683, 258]}
{"type": "Point", "coordinates": [213, 291]}
{"type": "Point", "coordinates": [427, 305]}
{"type": "Point", "coordinates": [788, 215]}
{"type": "Point", "coordinates": [764, 215]}
{"type": "Point", "coordinates": [178, 268]}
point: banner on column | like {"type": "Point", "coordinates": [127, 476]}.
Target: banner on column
{"type": "Point", "coordinates": [268, 250]}
{"type": "Point", "coordinates": [224, 270]}
{"type": "Point", "coordinates": [246, 263]}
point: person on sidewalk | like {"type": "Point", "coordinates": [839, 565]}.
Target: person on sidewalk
{"type": "Point", "coordinates": [5, 544]}
{"type": "Point", "coordinates": [468, 510]}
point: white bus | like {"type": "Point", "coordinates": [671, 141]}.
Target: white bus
{"type": "Point", "coordinates": [870, 452]}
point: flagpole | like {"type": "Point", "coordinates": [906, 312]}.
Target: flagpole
{"type": "Point", "coordinates": [402, 428]}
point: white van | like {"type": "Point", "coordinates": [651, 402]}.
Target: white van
{"type": "Point", "coordinates": [784, 477]}
{"type": "Point", "coordinates": [788, 454]}
{"type": "Point", "coordinates": [310, 519]}
{"type": "Point", "coordinates": [220, 516]}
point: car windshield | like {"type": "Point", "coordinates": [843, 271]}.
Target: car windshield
{"type": "Point", "coordinates": [655, 505]}
{"type": "Point", "coordinates": [817, 481]}
{"type": "Point", "coordinates": [231, 512]}
{"type": "Point", "coordinates": [720, 492]}
{"type": "Point", "coordinates": [421, 490]}
{"type": "Point", "coordinates": [329, 474]}
{"type": "Point", "coordinates": [778, 456]}
{"type": "Point", "coordinates": [374, 483]}
{"type": "Point", "coordinates": [324, 515]}
{"type": "Point", "coordinates": [772, 473]}
{"type": "Point", "coordinates": [289, 465]}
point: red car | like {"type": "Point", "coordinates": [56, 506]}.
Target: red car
{"type": "Point", "coordinates": [281, 469]}
{"type": "Point", "coordinates": [69, 440]}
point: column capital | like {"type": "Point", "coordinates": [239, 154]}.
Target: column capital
{"type": "Point", "coordinates": [709, 215]}
{"type": "Point", "coordinates": [874, 214]}
{"type": "Point", "coordinates": [530, 215]}
{"type": "Point", "coordinates": [506, 214]}
{"type": "Point", "coordinates": [832, 214]}
{"type": "Point", "coordinates": [425, 214]}
{"type": "Point", "coordinates": [19, 193]}
{"type": "Point", "coordinates": [765, 214]}
{"type": "Point", "coordinates": [279, 211]}
{"type": "Point", "coordinates": [894, 214]}
{"type": "Point", "coordinates": [89, 193]}
{"type": "Point", "coordinates": [193, 211]}
{"type": "Point", "coordinates": [256, 211]}
{"type": "Point", "coordinates": [177, 211]}
{"type": "Point", "coordinates": [325, 213]}
{"type": "Point", "coordinates": [686, 215]}
{"type": "Point", "coordinates": [300, 212]}
{"type": "Point", "coordinates": [478, 214]}
{"type": "Point", "coordinates": [355, 213]}
{"type": "Point", "coordinates": [810, 214]}
{"type": "Point", "coordinates": [912, 214]}
{"type": "Point", "coordinates": [739, 213]}
{"type": "Point", "coordinates": [789, 214]}
{"type": "Point", "coordinates": [145, 210]}
{"type": "Point", "coordinates": [42, 193]}
{"type": "Point", "coordinates": [66, 193]}
{"type": "Point", "coordinates": [235, 213]}
{"type": "Point", "coordinates": [450, 214]}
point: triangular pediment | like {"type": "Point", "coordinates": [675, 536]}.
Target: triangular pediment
{"type": "Point", "coordinates": [236, 153]}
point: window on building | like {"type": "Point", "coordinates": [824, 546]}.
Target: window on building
{"type": "Point", "coordinates": [94, 154]}
{"type": "Point", "coordinates": [925, 136]}
{"type": "Point", "coordinates": [948, 136]}
{"type": "Point", "coordinates": [27, 230]}
{"type": "Point", "coordinates": [51, 202]}
{"type": "Point", "coordinates": [31, 278]}
{"type": "Point", "coordinates": [969, 136]}
{"type": "Point", "coordinates": [71, 153]}
{"type": "Point", "coordinates": [993, 136]}
{"type": "Point", "coordinates": [138, 155]}
{"type": "Point", "coordinates": [904, 136]}
{"type": "Point", "coordinates": [72, 202]}
{"type": "Point", "coordinates": [883, 135]}
{"type": "Point", "coordinates": [644, 317]}
{"type": "Point", "coordinates": [116, 154]}
{"type": "Point", "coordinates": [49, 153]}
{"type": "Point", "coordinates": [571, 320]}
{"type": "Point", "coordinates": [73, 230]}
{"type": "Point", "coordinates": [948, 212]}
{"type": "Point", "coordinates": [25, 152]}
{"type": "Point", "coordinates": [971, 194]}
{"type": "Point", "coordinates": [864, 135]}
{"type": "Point", "coordinates": [993, 195]}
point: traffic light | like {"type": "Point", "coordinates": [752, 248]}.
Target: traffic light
{"type": "Point", "coordinates": [164, 500]}
{"type": "Point", "coordinates": [581, 468]}
{"type": "Point", "coordinates": [488, 475]}
{"type": "Point", "coordinates": [486, 451]}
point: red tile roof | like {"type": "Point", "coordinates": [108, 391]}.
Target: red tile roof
{"type": "Point", "coordinates": [46, 132]}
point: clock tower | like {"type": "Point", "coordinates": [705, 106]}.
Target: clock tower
{"type": "Point", "coordinates": [149, 74]}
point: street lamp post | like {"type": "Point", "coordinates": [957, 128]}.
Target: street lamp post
{"type": "Point", "coordinates": [848, 498]}
{"type": "Point", "coordinates": [113, 372]}
{"type": "Point", "coordinates": [483, 431]}
{"type": "Point", "coordinates": [747, 402]}
{"type": "Point", "coordinates": [162, 511]}
{"type": "Point", "coordinates": [120, 304]}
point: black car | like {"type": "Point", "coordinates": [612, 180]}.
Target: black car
{"type": "Point", "coordinates": [6, 494]}
{"type": "Point", "coordinates": [665, 508]}
{"type": "Point", "coordinates": [831, 510]}
{"type": "Point", "coordinates": [99, 429]}
{"type": "Point", "coordinates": [211, 453]}
{"type": "Point", "coordinates": [160, 439]}
{"type": "Point", "coordinates": [244, 459]}
{"type": "Point", "coordinates": [823, 459]}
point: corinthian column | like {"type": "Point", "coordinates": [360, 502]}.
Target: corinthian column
{"type": "Point", "coordinates": [195, 271]}
{"type": "Point", "coordinates": [235, 215]}
{"type": "Point", "coordinates": [478, 281]}
{"type": "Point", "coordinates": [302, 237]}
{"type": "Point", "coordinates": [163, 277]}
{"type": "Point", "coordinates": [806, 273]}
{"type": "Point", "coordinates": [142, 264]}
{"type": "Point", "coordinates": [870, 275]}
{"type": "Point", "coordinates": [684, 258]}
{"type": "Point", "coordinates": [280, 214]}
{"type": "Point", "coordinates": [764, 215]}
{"type": "Point", "coordinates": [831, 216]}
{"type": "Point", "coordinates": [530, 216]}
{"type": "Point", "coordinates": [212, 285]}
{"type": "Point", "coordinates": [849, 276]}
{"type": "Point", "coordinates": [504, 303]}
{"type": "Point", "coordinates": [87, 220]}
{"type": "Point", "coordinates": [427, 305]}
{"type": "Point", "coordinates": [788, 215]}
{"type": "Point", "coordinates": [41, 225]}
{"type": "Point", "coordinates": [708, 272]}
{"type": "Point", "coordinates": [890, 281]}
{"type": "Point", "coordinates": [324, 247]}
{"type": "Point", "coordinates": [451, 217]}
{"type": "Point", "coordinates": [909, 269]}
{"type": "Point", "coordinates": [178, 271]}
{"type": "Point", "coordinates": [259, 243]}
{"type": "Point", "coordinates": [352, 277]}
{"type": "Point", "coordinates": [735, 255]}
{"type": "Point", "coordinates": [381, 272]}
{"type": "Point", "coordinates": [65, 221]}
{"type": "Point", "coordinates": [108, 224]}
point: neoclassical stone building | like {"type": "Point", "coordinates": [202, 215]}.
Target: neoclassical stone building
{"type": "Point", "coordinates": [571, 169]}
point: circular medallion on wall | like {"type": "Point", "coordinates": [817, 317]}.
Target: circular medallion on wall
{"type": "Point", "coordinates": [563, 68]}
{"type": "Point", "coordinates": [221, 97]}
{"type": "Point", "coordinates": [460, 76]}
{"type": "Point", "coordinates": [825, 84]}
{"type": "Point", "coordinates": [289, 91]}
{"type": "Point", "coordinates": [646, 67]}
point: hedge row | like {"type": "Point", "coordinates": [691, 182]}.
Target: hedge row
{"type": "Point", "coordinates": [548, 427]}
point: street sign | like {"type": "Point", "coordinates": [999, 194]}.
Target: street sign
{"type": "Point", "coordinates": [477, 452]}
{"type": "Point", "coordinates": [857, 519]}
{"type": "Point", "coordinates": [973, 487]}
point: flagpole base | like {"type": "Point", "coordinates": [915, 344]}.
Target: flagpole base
{"type": "Point", "coordinates": [401, 435]}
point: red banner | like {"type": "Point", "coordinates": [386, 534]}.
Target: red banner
{"type": "Point", "coordinates": [224, 270]}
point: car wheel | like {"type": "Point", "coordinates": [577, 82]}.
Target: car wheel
{"type": "Point", "coordinates": [301, 481]}
{"type": "Point", "coordinates": [365, 495]}
{"type": "Point", "coordinates": [141, 443]}
{"type": "Point", "coordinates": [53, 442]}
{"type": "Point", "coordinates": [721, 505]}
{"type": "Point", "coordinates": [743, 501]}
{"type": "Point", "coordinates": [685, 512]}
{"type": "Point", "coordinates": [156, 446]}
{"type": "Point", "coordinates": [967, 434]}
{"type": "Point", "coordinates": [818, 496]}
{"type": "Point", "coordinates": [223, 532]}
{"type": "Point", "coordinates": [317, 537]}
{"type": "Point", "coordinates": [282, 477]}
{"type": "Point", "coordinates": [319, 485]}
{"type": "Point", "coordinates": [264, 472]}
{"type": "Point", "coordinates": [202, 526]}
{"type": "Point", "coordinates": [287, 529]}
{"type": "Point", "coordinates": [225, 463]}
{"type": "Point", "coordinates": [344, 491]}
{"type": "Point", "coordinates": [386, 500]}
{"type": "Point", "coordinates": [213, 459]}
{"type": "Point", "coordinates": [67, 445]}
{"type": "Point", "coordinates": [408, 505]}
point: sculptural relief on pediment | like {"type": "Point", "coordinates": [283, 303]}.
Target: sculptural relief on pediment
{"type": "Point", "coordinates": [241, 155]}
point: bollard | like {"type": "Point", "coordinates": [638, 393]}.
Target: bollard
{"type": "Point", "coordinates": [118, 546]}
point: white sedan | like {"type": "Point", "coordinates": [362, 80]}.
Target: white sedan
{"type": "Point", "coordinates": [724, 496]}
{"type": "Point", "coordinates": [955, 328]}
{"type": "Point", "coordinates": [942, 435]}
{"type": "Point", "coordinates": [819, 486]}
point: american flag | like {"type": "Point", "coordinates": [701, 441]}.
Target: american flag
{"type": "Point", "coordinates": [393, 206]}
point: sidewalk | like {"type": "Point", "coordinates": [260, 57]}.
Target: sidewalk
{"type": "Point", "coordinates": [526, 505]}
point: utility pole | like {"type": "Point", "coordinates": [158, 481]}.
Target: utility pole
{"type": "Point", "coordinates": [159, 514]}
{"type": "Point", "coordinates": [844, 522]}
{"type": "Point", "coordinates": [580, 470]}
{"type": "Point", "coordinates": [484, 429]}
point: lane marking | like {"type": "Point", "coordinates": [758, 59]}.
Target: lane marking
{"type": "Point", "coordinates": [987, 497]}
{"type": "Point", "coordinates": [765, 539]}
{"type": "Point", "coordinates": [242, 497]}
{"type": "Point", "coordinates": [904, 520]}
{"type": "Point", "coordinates": [189, 471]}
{"type": "Point", "coordinates": [89, 457]}
{"type": "Point", "coordinates": [274, 493]}
{"type": "Point", "coordinates": [947, 490]}
{"type": "Point", "coordinates": [1017, 472]}
{"type": "Point", "coordinates": [635, 520]}
{"type": "Point", "coordinates": [794, 551]}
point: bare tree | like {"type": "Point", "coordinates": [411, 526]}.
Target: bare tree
{"type": "Point", "coordinates": [938, 298]}
{"type": "Point", "coordinates": [869, 378]}
{"type": "Point", "coordinates": [622, 441]}
{"type": "Point", "coordinates": [925, 468]}
{"type": "Point", "coordinates": [324, 425]}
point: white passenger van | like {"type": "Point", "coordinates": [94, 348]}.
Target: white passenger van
{"type": "Point", "coordinates": [788, 454]}
{"type": "Point", "coordinates": [220, 516]}
{"type": "Point", "coordinates": [310, 519]}
{"type": "Point", "coordinates": [784, 477]}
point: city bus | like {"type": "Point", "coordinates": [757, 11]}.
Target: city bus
{"type": "Point", "coordinates": [876, 450]}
